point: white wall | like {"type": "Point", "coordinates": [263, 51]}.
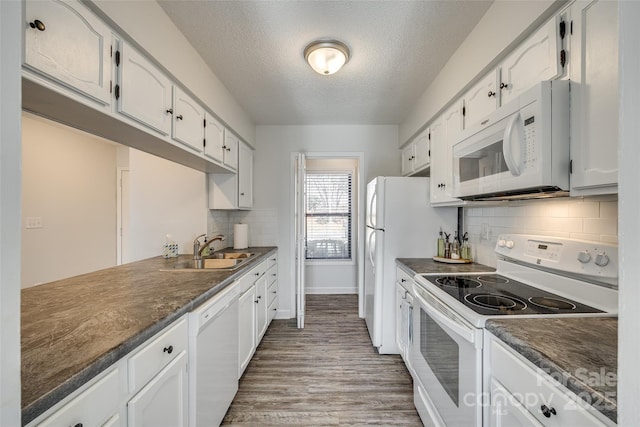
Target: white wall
{"type": "Point", "coordinates": [69, 181]}
{"type": "Point", "coordinates": [149, 26]}
{"type": "Point", "coordinates": [594, 219]}
{"type": "Point", "coordinates": [10, 177]}
{"type": "Point", "coordinates": [273, 179]}
{"type": "Point", "coordinates": [166, 198]}
{"type": "Point", "coordinates": [629, 194]}
{"type": "Point", "coordinates": [501, 28]}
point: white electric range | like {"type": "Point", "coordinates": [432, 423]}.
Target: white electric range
{"type": "Point", "coordinates": [537, 276]}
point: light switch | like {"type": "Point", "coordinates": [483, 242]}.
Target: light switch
{"type": "Point", "coordinates": [34, 222]}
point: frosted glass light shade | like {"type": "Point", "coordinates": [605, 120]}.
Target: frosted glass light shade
{"type": "Point", "coordinates": [326, 57]}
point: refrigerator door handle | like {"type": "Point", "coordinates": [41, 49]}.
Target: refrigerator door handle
{"type": "Point", "coordinates": [370, 245]}
{"type": "Point", "coordinates": [371, 203]}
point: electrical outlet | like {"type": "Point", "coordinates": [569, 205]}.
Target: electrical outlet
{"type": "Point", "coordinates": [34, 222]}
{"type": "Point", "coordinates": [484, 232]}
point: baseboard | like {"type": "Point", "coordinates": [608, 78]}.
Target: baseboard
{"type": "Point", "coordinates": [283, 314]}
{"type": "Point", "coordinates": [333, 290]}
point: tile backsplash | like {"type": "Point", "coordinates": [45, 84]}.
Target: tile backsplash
{"type": "Point", "coordinates": [576, 218]}
{"type": "Point", "coordinates": [263, 226]}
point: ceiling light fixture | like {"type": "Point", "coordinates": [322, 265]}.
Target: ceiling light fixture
{"type": "Point", "coordinates": [326, 56]}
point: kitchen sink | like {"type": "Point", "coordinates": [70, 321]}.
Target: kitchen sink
{"type": "Point", "coordinates": [218, 261]}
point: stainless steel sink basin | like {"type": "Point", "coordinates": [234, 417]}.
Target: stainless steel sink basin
{"type": "Point", "coordinates": [218, 261]}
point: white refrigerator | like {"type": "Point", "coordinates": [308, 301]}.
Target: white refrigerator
{"type": "Point", "coordinates": [400, 223]}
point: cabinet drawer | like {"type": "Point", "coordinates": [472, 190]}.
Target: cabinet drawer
{"type": "Point", "coordinates": [272, 310]}
{"type": "Point", "coordinates": [534, 390]}
{"type": "Point", "coordinates": [156, 354]}
{"type": "Point", "coordinates": [272, 291]}
{"type": "Point", "coordinates": [405, 280]}
{"type": "Point", "coordinates": [93, 407]}
{"type": "Point", "coordinates": [272, 274]}
{"type": "Point", "coordinates": [259, 271]}
{"type": "Point", "coordinates": [273, 260]}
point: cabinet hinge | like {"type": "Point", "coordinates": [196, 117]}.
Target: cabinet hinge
{"type": "Point", "coordinates": [111, 51]}
{"type": "Point", "coordinates": [117, 58]}
{"type": "Point", "coordinates": [429, 136]}
{"type": "Point", "coordinates": [570, 167]}
{"type": "Point", "coordinates": [110, 86]}
{"type": "Point", "coordinates": [563, 58]}
{"type": "Point", "coordinates": [571, 28]}
{"type": "Point", "coordinates": [464, 111]}
{"type": "Point", "coordinates": [204, 142]}
{"type": "Point", "coordinates": [204, 123]}
{"type": "Point", "coordinates": [429, 153]}
{"type": "Point", "coordinates": [117, 90]}
{"type": "Point", "coordinates": [563, 29]}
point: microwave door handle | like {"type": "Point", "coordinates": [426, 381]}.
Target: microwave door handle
{"type": "Point", "coordinates": [514, 167]}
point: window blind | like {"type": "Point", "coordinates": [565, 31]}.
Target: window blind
{"type": "Point", "coordinates": [328, 215]}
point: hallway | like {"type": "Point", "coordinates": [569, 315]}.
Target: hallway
{"type": "Point", "coordinates": [327, 374]}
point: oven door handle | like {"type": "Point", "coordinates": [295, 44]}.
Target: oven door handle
{"type": "Point", "coordinates": [448, 319]}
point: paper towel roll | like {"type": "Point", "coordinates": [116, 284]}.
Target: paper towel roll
{"type": "Point", "coordinates": [240, 236]}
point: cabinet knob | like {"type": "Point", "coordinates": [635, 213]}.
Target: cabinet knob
{"type": "Point", "coordinates": [491, 93]}
{"type": "Point", "coordinates": [257, 301]}
{"type": "Point", "coordinates": [257, 274]}
{"type": "Point", "coordinates": [169, 111]}
{"type": "Point", "coordinates": [503, 85]}
{"type": "Point", "coordinates": [78, 425]}
{"type": "Point", "coordinates": [403, 280]}
{"type": "Point", "coordinates": [179, 117]}
{"type": "Point", "coordinates": [547, 412]}
{"type": "Point", "coordinates": [38, 25]}
{"type": "Point", "coordinates": [168, 350]}
{"type": "Point", "coordinates": [242, 194]}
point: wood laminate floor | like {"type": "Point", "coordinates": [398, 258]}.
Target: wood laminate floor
{"type": "Point", "coordinates": [326, 374]}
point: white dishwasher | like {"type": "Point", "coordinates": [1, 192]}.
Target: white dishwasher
{"type": "Point", "coordinates": [213, 358]}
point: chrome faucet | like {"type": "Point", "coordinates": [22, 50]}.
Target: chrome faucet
{"type": "Point", "coordinates": [197, 249]}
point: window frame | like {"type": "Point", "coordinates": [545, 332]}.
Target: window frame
{"type": "Point", "coordinates": [352, 219]}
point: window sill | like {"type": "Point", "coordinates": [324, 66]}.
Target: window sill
{"type": "Point", "coordinates": [330, 262]}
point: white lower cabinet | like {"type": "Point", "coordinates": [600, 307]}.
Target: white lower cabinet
{"type": "Point", "coordinates": [524, 395]}
{"type": "Point", "coordinates": [163, 401]}
{"type": "Point", "coordinates": [98, 405]}
{"type": "Point", "coordinates": [261, 307]}
{"type": "Point", "coordinates": [247, 328]}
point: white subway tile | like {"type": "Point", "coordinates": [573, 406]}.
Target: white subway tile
{"type": "Point", "coordinates": [586, 236]}
{"type": "Point", "coordinates": [609, 239]}
{"type": "Point", "coordinates": [580, 209]}
{"type": "Point", "coordinates": [607, 226]}
{"type": "Point", "coordinates": [609, 210]}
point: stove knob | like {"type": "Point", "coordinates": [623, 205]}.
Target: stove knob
{"type": "Point", "coordinates": [602, 259]}
{"type": "Point", "coordinates": [584, 257]}
{"type": "Point", "coordinates": [502, 243]}
{"type": "Point", "coordinates": [510, 244]}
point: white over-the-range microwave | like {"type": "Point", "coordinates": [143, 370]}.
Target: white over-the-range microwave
{"type": "Point", "coordinates": [521, 150]}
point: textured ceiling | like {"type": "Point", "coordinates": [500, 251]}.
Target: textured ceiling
{"type": "Point", "coordinates": [256, 50]}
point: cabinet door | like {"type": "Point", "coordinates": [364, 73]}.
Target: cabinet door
{"type": "Point", "coordinates": [214, 139]}
{"type": "Point", "coordinates": [163, 401]}
{"type": "Point", "coordinates": [407, 160]}
{"type": "Point", "coordinates": [245, 176]}
{"type": "Point", "coordinates": [536, 59]}
{"type": "Point", "coordinates": [70, 45]}
{"type": "Point", "coordinates": [421, 151]}
{"type": "Point", "coordinates": [401, 309]}
{"type": "Point", "coordinates": [594, 97]}
{"type": "Point", "coordinates": [247, 326]}
{"type": "Point", "coordinates": [443, 136]}
{"type": "Point", "coordinates": [188, 120]}
{"type": "Point", "coordinates": [231, 150]}
{"type": "Point", "coordinates": [261, 307]}
{"type": "Point", "coordinates": [480, 100]}
{"type": "Point", "coordinates": [506, 411]}
{"type": "Point", "coordinates": [144, 91]}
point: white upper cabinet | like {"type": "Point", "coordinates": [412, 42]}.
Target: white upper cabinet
{"type": "Point", "coordinates": [444, 132]}
{"type": "Point", "coordinates": [245, 176]}
{"type": "Point", "coordinates": [188, 120]}
{"type": "Point", "coordinates": [214, 138]}
{"type": "Point", "coordinates": [67, 43]}
{"type": "Point", "coordinates": [480, 100]}
{"type": "Point", "coordinates": [594, 97]}
{"type": "Point", "coordinates": [416, 156]}
{"type": "Point", "coordinates": [143, 91]}
{"type": "Point", "coordinates": [536, 59]}
{"type": "Point", "coordinates": [231, 150]}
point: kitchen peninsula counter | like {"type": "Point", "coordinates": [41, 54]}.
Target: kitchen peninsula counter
{"type": "Point", "coordinates": [579, 352]}
{"type": "Point", "coordinates": [75, 328]}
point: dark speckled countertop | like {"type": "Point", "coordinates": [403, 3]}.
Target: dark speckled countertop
{"type": "Point", "coordinates": [75, 328]}
{"type": "Point", "coordinates": [581, 353]}
{"type": "Point", "coordinates": [415, 266]}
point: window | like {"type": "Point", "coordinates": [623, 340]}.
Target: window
{"type": "Point", "coordinates": [328, 215]}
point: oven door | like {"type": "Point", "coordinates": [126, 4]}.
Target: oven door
{"type": "Point", "coordinates": [447, 361]}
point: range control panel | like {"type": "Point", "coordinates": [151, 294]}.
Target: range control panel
{"type": "Point", "coordinates": [594, 260]}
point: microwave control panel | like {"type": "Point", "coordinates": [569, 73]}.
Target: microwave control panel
{"type": "Point", "coordinates": [530, 155]}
